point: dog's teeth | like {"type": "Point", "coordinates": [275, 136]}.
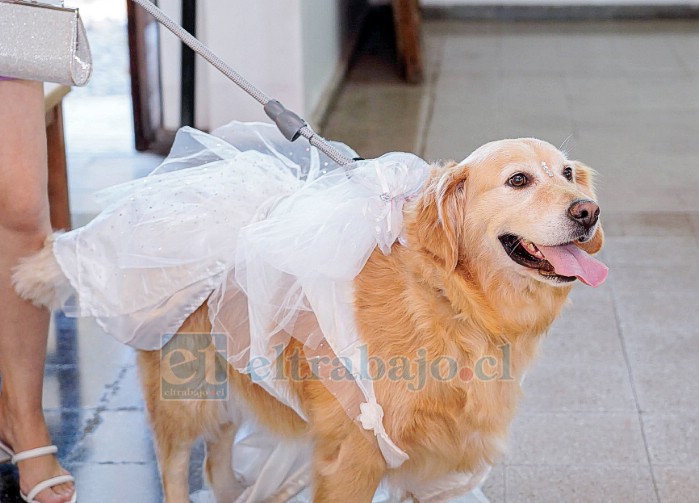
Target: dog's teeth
{"type": "Point", "coordinates": [532, 249]}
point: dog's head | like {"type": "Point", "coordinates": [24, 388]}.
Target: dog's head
{"type": "Point", "coordinates": [516, 207]}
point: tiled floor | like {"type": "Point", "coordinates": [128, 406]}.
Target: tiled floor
{"type": "Point", "coordinates": [611, 411]}
{"type": "Point", "coordinates": [611, 406]}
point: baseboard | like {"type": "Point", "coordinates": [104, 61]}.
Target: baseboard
{"type": "Point", "coordinates": [560, 12]}
{"type": "Point", "coordinates": [319, 115]}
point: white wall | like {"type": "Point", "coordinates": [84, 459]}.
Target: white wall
{"type": "Point", "coordinates": [321, 45]}
{"type": "Point", "coordinates": [170, 66]}
{"type": "Point", "coordinates": [291, 49]}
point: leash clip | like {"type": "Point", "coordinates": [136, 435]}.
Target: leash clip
{"type": "Point", "coordinates": [287, 121]}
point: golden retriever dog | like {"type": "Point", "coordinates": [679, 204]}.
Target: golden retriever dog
{"type": "Point", "coordinates": [492, 248]}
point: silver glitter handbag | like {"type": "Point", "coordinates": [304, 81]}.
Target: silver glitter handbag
{"type": "Point", "coordinates": [43, 41]}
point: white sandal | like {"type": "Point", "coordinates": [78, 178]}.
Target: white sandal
{"type": "Point", "coordinates": [6, 454]}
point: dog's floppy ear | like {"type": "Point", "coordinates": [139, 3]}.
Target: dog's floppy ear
{"type": "Point", "coordinates": [585, 178]}
{"type": "Point", "coordinates": [441, 215]}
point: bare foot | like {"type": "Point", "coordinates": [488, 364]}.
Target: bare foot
{"type": "Point", "coordinates": [23, 433]}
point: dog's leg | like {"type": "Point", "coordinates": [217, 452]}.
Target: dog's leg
{"type": "Point", "coordinates": [173, 457]}
{"type": "Point", "coordinates": [176, 426]}
{"type": "Point", "coordinates": [218, 468]}
{"type": "Point", "coordinates": [348, 470]}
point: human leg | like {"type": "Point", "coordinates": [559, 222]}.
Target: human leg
{"type": "Point", "coordinates": [24, 224]}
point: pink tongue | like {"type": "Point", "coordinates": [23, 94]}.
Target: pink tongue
{"type": "Point", "coordinates": [569, 260]}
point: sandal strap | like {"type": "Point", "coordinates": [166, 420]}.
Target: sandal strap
{"type": "Point", "coordinates": [6, 449]}
{"type": "Point", "coordinates": [34, 453]}
{"type": "Point", "coordinates": [61, 479]}
{"type": "Point", "coordinates": [5, 453]}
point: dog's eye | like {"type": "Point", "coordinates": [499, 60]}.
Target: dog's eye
{"type": "Point", "coordinates": [518, 180]}
{"type": "Point", "coordinates": [568, 173]}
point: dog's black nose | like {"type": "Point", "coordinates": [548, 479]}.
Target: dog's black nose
{"type": "Point", "coordinates": [584, 212]}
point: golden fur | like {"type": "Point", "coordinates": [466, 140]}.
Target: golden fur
{"type": "Point", "coordinates": [450, 291]}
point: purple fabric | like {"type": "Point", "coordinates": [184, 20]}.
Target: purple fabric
{"type": "Point", "coordinates": [6, 78]}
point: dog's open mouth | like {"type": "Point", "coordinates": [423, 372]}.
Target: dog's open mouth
{"type": "Point", "coordinates": [562, 263]}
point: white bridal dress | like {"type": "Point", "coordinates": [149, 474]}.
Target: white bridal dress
{"type": "Point", "coordinates": [244, 214]}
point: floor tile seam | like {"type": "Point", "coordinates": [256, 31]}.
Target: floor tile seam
{"type": "Point", "coordinates": [677, 364]}
{"type": "Point", "coordinates": [525, 409]}
{"type": "Point", "coordinates": [674, 412]}
{"type": "Point", "coordinates": [426, 113]}
{"type": "Point", "coordinates": [692, 466]}
{"type": "Point", "coordinates": [679, 60]}
{"type": "Point", "coordinates": [633, 412]}
{"type": "Point", "coordinates": [646, 359]}
{"type": "Point", "coordinates": [578, 465]}
{"type": "Point", "coordinates": [120, 463]}
{"type": "Point", "coordinates": [93, 423]}
{"type": "Point", "coordinates": [81, 464]}
{"type": "Point", "coordinates": [596, 365]}
{"type": "Point", "coordinates": [627, 360]}
{"type": "Point", "coordinates": [505, 483]}
{"type": "Point", "coordinates": [694, 226]}
{"type": "Point", "coordinates": [127, 408]}
{"type": "Point", "coordinates": [693, 413]}
{"type": "Point", "coordinates": [52, 367]}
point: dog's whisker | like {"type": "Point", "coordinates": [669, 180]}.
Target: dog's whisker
{"type": "Point", "coordinates": [563, 146]}
{"type": "Point", "coordinates": [518, 243]}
